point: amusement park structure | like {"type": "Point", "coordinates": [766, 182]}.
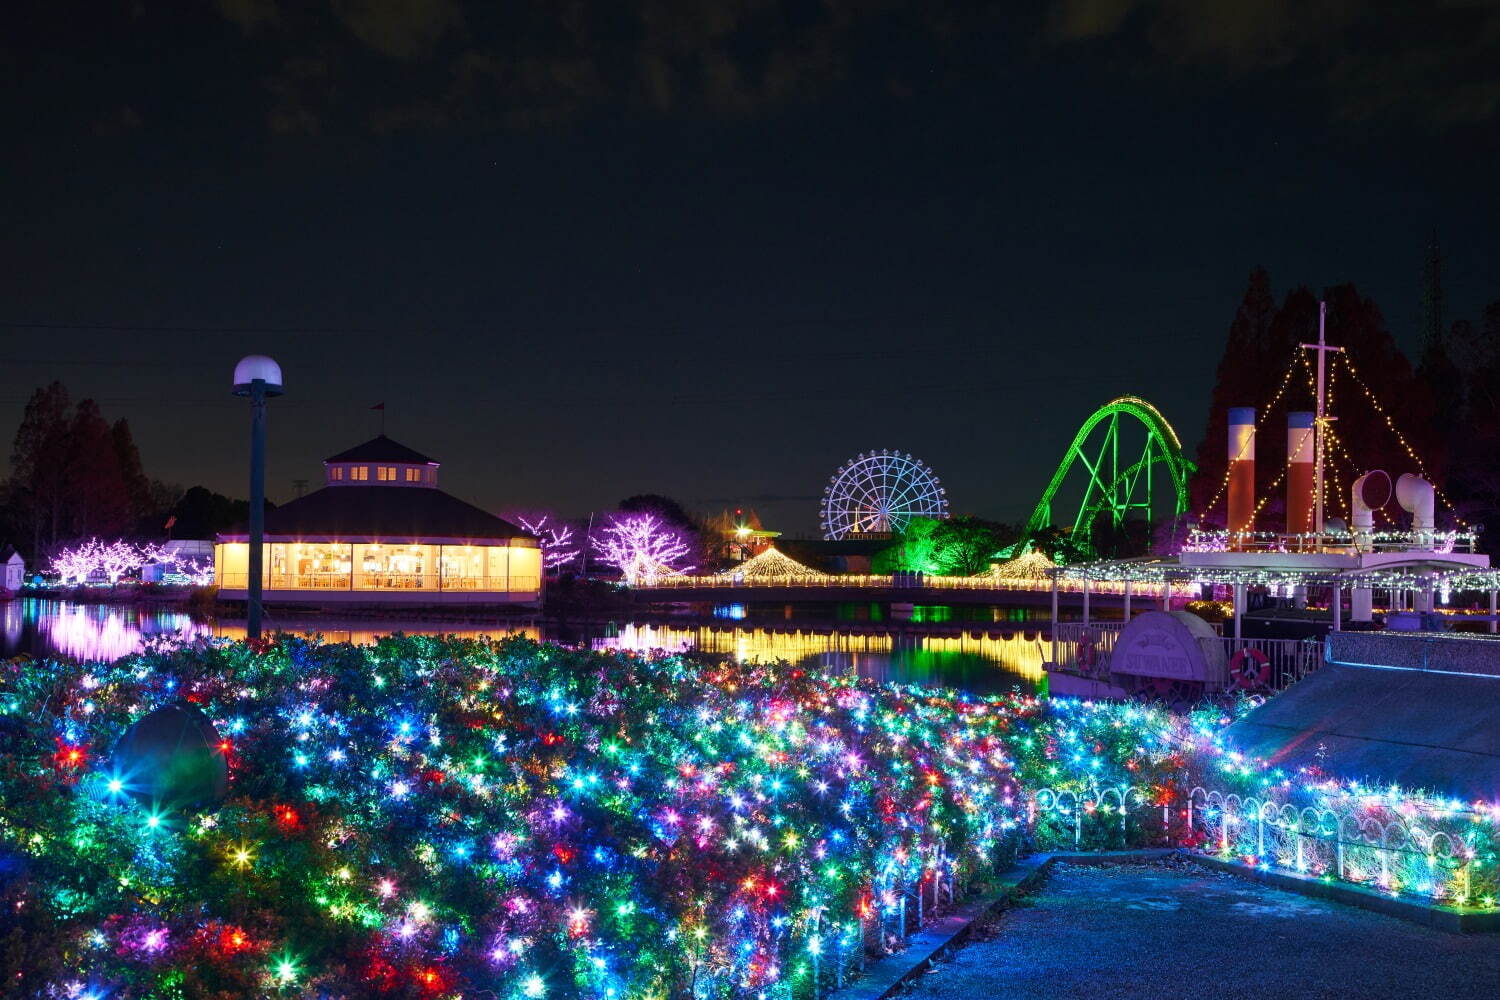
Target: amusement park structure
{"type": "Point", "coordinates": [1120, 475]}
{"type": "Point", "coordinates": [1317, 576]}
{"type": "Point", "coordinates": [878, 494]}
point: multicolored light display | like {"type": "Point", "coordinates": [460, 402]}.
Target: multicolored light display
{"type": "Point", "coordinates": [435, 817]}
{"type": "Point", "coordinates": [444, 817]}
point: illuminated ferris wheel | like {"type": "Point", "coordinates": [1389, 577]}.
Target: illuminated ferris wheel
{"type": "Point", "coordinates": [878, 493]}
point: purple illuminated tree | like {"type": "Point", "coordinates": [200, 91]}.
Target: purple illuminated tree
{"type": "Point", "coordinates": [76, 564]}
{"type": "Point", "coordinates": [119, 557]}
{"type": "Point", "coordinates": [643, 546]}
{"type": "Point", "coordinates": [114, 559]}
{"type": "Point", "coordinates": [558, 549]}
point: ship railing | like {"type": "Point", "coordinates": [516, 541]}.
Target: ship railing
{"type": "Point", "coordinates": [1087, 650]}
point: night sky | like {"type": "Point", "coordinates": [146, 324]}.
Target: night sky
{"type": "Point", "coordinates": [710, 250]}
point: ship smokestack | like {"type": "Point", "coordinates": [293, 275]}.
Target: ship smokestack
{"type": "Point", "coordinates": [1370, 492]}
{"type": "Point", "coordinates": [1241, 468]}
{"type": "Point", "coordinates": [1299, 473]}
{"type": "Point", "coordinates": [1415, 495]}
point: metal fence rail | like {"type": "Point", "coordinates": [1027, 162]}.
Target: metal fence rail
{"type": "Point", "coordinates": [1400, 854]}
{"type": "Point", "coordinates": [1087, 649]}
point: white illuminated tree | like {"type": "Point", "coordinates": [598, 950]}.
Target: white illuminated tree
{"type": "Point", "coordinates": [644, 548]}
{"type": "Point", "coordinates": [76, 564]}
{"type": "Point", "coordinates": [113, 559]}
{"type": "Point", "coordinates": [118, 558]}
{"type": "Point", "coordinates": [558, 549]}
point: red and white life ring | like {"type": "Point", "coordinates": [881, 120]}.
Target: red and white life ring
{"type": "Point", "coordinates": [1250, 669]}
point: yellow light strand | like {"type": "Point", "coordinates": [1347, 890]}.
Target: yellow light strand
{"type": "Point", "coordinates": [1286, 379]}
{"type": "Point", "coordinates": [1400, 438]}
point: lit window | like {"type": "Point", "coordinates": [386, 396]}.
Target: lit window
{"type": "Point", "coordinates": [387, 473]}
{"type": "Point", "coordinates": [359, 472]}
{"type": "Point", "coordinates": [413, 475]}
{"type": "Point", "coordinates": [337, 473]}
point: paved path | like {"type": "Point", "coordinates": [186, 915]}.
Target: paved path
{"type": "Point", "coordinates": [1173, 930]}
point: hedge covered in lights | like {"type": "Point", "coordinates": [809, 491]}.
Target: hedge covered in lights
{"type": "Point", "coordinates": [444, 817]}
{"type": "Point", "coordinates": [435, 817]}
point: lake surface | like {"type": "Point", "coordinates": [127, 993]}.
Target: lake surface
{"type": "Point", "coordinates": [997, 654]}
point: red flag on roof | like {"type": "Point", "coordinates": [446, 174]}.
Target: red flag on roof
{"type": "Point", "coordinates": [378, 406]}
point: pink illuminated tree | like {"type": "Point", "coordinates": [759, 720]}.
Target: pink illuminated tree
{"type": "Point", "coordinates": [643, 546]}
{"type": "Point", "coordinates": [118, 558]}
{"type": "Point", "coordinates": [77, 563]}
{"type": "Point", "coordinates": [114, 559]}
{"type": "Point", "coordinates": [558, 549]}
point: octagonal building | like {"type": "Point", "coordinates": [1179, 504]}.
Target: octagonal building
{"type": "Point", "coordinates": [380, 532]}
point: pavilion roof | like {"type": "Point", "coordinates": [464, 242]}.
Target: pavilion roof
{"type": "Point", "coordinates": [352, 513]}
{"type": "Point", "coordinates": [382, 449]}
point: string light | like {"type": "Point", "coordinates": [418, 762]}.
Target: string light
{"type": "Point", "coordinates": [1286, 379]}
{"type": "Point", "coordinates": [1400, 438]}
{"type": "Point", "coordinates": [649, 827]}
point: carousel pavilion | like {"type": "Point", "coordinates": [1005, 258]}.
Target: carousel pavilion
{"type": "Point", "coordinates": [380, 532]}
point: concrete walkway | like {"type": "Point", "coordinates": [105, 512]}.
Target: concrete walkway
{"type": "Point", "coordinates": [1172, 930]}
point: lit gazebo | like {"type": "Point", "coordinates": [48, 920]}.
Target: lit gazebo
{"type": "Point", "coordinates": [381, 532]}
{"type": "Point", "coordinates": [772, 566]}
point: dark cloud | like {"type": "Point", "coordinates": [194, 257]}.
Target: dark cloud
{"type": "Point", "coordinates": [119, 121]}
{"type": "Point", "coordinates": [1432, 64]}
{"type": "Point", "coordinates": [401, 29]}
{"type": "Point", "coordinates": [437, 64]}
{"type": "Point", "coordinates": [250, 15]}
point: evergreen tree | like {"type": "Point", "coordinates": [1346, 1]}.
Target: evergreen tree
{"type": "Point", "coordinates": [1365, 439]}
{"type": "Point", "coordinates": [38, 483]}
{"type": "Point", "coordinates": [1440, 377]}
{"type": "Point", "coordinates": [96, 489]}
{"type": "Point", "coordinates": [128, 456]}
{"type": "Point", "coordinates": [1476, 440]}
{"type": "Point", "coordinates": [1247, 375]}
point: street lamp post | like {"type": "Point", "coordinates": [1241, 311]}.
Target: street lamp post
{"type": "Point", "coordinates": [258, 377]}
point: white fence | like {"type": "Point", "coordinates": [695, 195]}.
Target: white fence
{"type": "Point", "coordinates": [1378, 848]}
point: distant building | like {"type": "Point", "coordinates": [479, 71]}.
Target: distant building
{"type": "Point", "coordinates": [381, 532]}
{"type": "Point", "coordinates": [739, 535]}
{"type": "Point", "coordinates": [13, 568]}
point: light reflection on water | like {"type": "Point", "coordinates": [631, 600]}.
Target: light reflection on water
{"type": "Point", "coordinates": [982, 662]}
{"type": "Point", "coordinates": [969, 661]}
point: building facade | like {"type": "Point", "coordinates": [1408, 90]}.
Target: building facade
{"type": "Point", "coordinates": [381, 532]}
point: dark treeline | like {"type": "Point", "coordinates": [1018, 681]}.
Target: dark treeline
{"type": "Point", "coordinates": [75, 475]}
{"type": "Point", "coordinates": [1445, 408]}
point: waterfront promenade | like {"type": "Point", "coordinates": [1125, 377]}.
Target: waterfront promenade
{"type": "Point", "coordinates": [1149, 931]}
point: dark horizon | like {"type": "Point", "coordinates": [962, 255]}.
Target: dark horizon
{"type": "Point", "coordinates": [951, 235]}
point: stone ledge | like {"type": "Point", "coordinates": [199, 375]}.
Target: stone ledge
{"type": "Point", "coordinates": [1445, 918]}
{"type": "Point", "coordinates": [883, 978]}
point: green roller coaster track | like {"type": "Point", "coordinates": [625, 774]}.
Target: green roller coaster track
{"type": "Point", "coordinates": [1117, 485]}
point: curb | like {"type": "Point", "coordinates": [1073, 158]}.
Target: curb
{"type": "Point", "coordinates": [1444, 918]}
{"type": "Point", "coordinates": [885, 977]}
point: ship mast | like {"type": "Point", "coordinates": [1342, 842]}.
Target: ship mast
{"type": "Point", "coordinates": [1323, 349]}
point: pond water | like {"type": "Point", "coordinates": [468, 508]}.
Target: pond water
{"type": "Point", "coordinates": [988, 658]}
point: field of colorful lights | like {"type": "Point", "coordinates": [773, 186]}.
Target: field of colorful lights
{"type": "Point", "coordinates": [447, 817]}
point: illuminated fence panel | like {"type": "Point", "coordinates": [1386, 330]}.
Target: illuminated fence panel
{"type": "Point", "coordinates": [1378, 840]}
